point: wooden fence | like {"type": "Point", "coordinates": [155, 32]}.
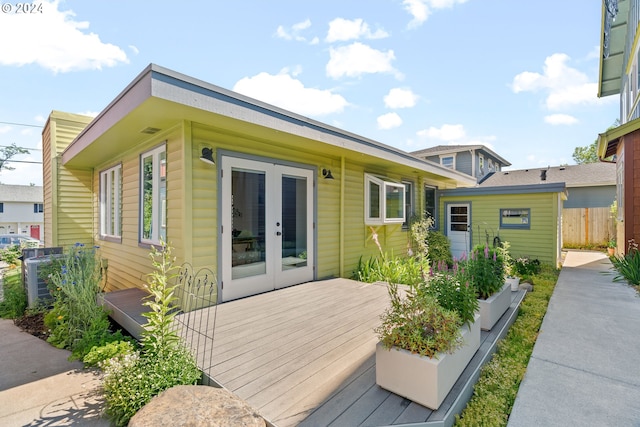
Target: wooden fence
{"type": "Point", "coordinates": [587, 226]}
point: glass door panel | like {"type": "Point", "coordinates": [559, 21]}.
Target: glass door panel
{"type": "Point", "coordinates": [294, 222]}
{"type": "Point", "coordinates": [248, 217]}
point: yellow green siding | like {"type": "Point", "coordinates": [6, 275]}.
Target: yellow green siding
{"type": "Point", "coordinates": [67, 193]}
{"type": "Point", "coordinates": [192, 200]}
{"type": "Point", "coordinates": [540, 241]}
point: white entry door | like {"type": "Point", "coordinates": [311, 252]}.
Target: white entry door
{"type": "Point", "coordinates": [267, 226]}
{"type": "Point", "coordinates": [458, 228]}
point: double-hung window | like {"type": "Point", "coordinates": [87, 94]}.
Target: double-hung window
{"type": "Point", "coordinates": [153, 196]}
{"type": "Point", "coordinates": [38, 208]}
{"type": "Point", "coordinates": [110, 202]}
{"type": "Point", "coordinates": [384, 201]}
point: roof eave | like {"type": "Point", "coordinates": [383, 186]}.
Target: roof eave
{"type": "Point", "coordinates": [611, 67]}
{"type": "Point", "coordinates": [156, 82]}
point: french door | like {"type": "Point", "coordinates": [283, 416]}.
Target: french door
{"type": "Point", "coordinates": [267, 226]}
{"type": "Point", "coordinates": [458, 228]}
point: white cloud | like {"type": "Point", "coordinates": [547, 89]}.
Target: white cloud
{"type": "Point", "coordinates": [89, 113]}
{"type": "Point", "coordinates": [341, 29]}
{"type": "Point", "coordinates": [134, 49]}
{"type": "Point", "coordinates": [448, 133]}
{"type": "Point", "coordinates": [55, 41]}
{"type": "Point", "coordinates": [560, 119]}
{"type": "Point", "coordinates": [357, 59]}
{"type": "Point", "coordinates": [293, 33]}
{"type": "Point", "coordinates": [564, 86]}
{"type": "Point", "coordinates": [286, 92]}
{"type": "Point", "coordinates": [5, 129]}
{"type": "Point", "coordinates": [400, 98]}
{"type": "Point", "coordinates": [420, 10]}
{"type": "Point", "coordinates": [389, 121]}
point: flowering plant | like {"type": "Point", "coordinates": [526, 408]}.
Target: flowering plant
{"type": "Point", "coordinates": [450, 292]}
{"type": "Point", "coordinates": [485, 271]}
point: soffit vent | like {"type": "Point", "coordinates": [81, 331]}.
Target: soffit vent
{"type": "Point", "coordinates": [150, 130]}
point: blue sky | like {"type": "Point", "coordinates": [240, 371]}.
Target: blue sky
{"type": "Point", "coordinates": [517, 76]}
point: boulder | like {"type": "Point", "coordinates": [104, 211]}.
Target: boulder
{"type": "Point", "coordinates": [196, 405]}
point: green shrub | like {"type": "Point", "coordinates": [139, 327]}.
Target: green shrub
{"type": "Point", "coordinates": [133, 378]}
{"type": "Point", "coordinates": [15, 298]}
{"type": "Point", "coordinates": [524, 266]}
{"type": "Point", "coordinates": [76, 320]}
{"type": "Point", "coordinates": [10, 254]}
{"type": "Point", "coordinates": [417, 323]}
{"type": "Point", "coordinates": [114, 349]}
{"type": "Point", "coordinates": [439, 248]}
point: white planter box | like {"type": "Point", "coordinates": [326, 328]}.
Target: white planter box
{"type": "Point", "coordinates": [421, 379]}
{"type": "Point", "coordinates": [492, 308]}
{"type": "Point", "coordinates": [514, 282]}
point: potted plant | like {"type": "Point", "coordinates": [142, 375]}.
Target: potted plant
{"type": "Point", "coordinates": [510, 276]}
{"type": "Point", "coordinates": [611, 247]}
{"type": "Point", "coordinates": [424, 347]}
{"type": "Point", "coordinates": [485, 271]}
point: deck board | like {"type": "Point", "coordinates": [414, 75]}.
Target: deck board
{"type": "Point", "coordinates": [305, 355]}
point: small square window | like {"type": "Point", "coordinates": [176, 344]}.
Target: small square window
{"type": "Point", "coordinates": [515, 218]}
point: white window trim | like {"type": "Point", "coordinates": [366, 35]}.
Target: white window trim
{"type": "Point", "coordinates": [110, 203]}
{"type": "Point", "coordinates": [409, 188]}
{"type": "Point", "coordinates": [156, 218]}
{"type": "Point", "coordinates": [383, 184]}
{"type": "Point", "coordinates": [445, 156]}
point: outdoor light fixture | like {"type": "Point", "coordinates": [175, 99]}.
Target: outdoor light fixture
{"type": "Point", "coordinates": [207, 156]}
{"type": "Point", "coordinates": [327, 174]}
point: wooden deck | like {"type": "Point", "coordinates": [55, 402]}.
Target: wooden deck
{"type": "Point", "coordinates": [305, 355]}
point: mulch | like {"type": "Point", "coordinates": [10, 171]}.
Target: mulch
{"type": "Point", "coordinates": [33, 324]}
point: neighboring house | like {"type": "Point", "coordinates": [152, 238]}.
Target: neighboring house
{"type": "Point", "coordinates": [474, 160]}
{"type": "Point", "coordinates": [527, 216]}
{"type": "Point", "coordinates": [620, 75]}
{"type": "Point", "coordinates": [263, 196]}
{"type": "Point", "coordinates": [591, 189]}
{"type": "Point", "coordinates": [21, 210]}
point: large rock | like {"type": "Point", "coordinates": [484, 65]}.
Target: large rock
{"type": "Point", "coordinates": [195, 405]}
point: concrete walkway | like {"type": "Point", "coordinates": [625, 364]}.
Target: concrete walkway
{"type": "Point", "coordinates": [40, 387]}
{"type": "Point", "coordinates": [585, 366]}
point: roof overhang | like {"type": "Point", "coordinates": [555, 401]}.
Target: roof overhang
{"type": "Point", "coordinates": [608, 141]}
{"type": "Point", "coordinates": [162, 99]}
{"type": "Point", "coordinates": [611, 67]}
{"type": "Point", "coordinates": [555, 187]}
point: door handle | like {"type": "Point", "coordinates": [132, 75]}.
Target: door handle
{"type": "Point", "coordinates": [278, 233]}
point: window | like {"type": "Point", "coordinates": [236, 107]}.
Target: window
{"type": "Point", "coordinates": [384, 201]}
{"type": "Point", "coordinates": [430, 203]}
{"type": "Point", "coordinates": [491, 165]}
{"type": "Point", "coordinates": [481, 164]}
{"type": "Point", "coordinates": [515, 218]}
{"type": "Point", "coordinates": [408, 202]}
{"type": "Point", "coordinates": [153, 196]}
{"type": "Point", "coordinates": [1, 207]}
{"type": "Point", "coordinates": [110, 202]}
{"type": "Point", "coordinates": [38, 208]}
{"type": "Point", "coordinates": [448, 161]}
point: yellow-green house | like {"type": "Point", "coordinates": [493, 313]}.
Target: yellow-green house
{"type": "Point", "coordinates": [262, 196]}
{"type": "Point", "coordinates": [529, 217]}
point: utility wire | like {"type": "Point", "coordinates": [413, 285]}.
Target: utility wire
{"type": "Point", "coordinates": [18, 161]}
{"type": "Point", "coordinates": [21, 124]}
{"type": "Point", "coordinates": [25, 148]}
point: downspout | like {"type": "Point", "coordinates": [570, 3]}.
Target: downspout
{"type": "Point", "coordinates": [342, 210]}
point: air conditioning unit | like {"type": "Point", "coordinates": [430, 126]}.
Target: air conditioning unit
{"type": "Point", "coordinates": [35, 286]}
